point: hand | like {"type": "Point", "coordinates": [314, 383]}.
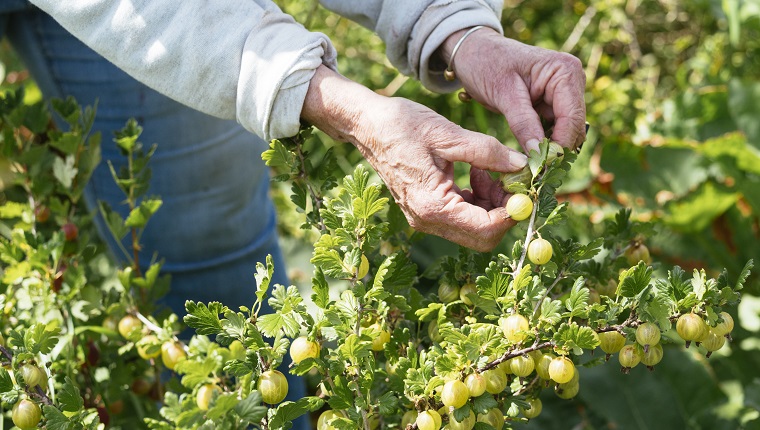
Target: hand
{"type": "Point", "coordinates": [524, 83]}
{"type": "Point", "coordinates": [413, 149]}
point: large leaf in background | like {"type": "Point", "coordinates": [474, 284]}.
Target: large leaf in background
{"type": "Point", "coordinates": [680, 394]}
{"type": "Point", "coordinates": [697, 210]}
{"type": "Point", "coordinates": [645, 171]}
{"type": "Point", "coordinates": [744, 105]}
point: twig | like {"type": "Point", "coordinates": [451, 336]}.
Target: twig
{"type": "Point", "coordinates": [516, 353]}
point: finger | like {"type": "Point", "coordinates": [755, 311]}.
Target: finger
{"type": "Point", "coordinates": [521, 116]}
{"type": "Point", "coordinates": [488, 193]}
{"type": "Point", "coordinates": [481, 151]}
{"type": "Point", "coordinates": [466, 224]}
{"type": "Point", "coordinates": [473, 226]}
{"type": "Point", "coordinates": [568, 104]}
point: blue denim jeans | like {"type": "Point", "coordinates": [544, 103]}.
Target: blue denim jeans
{"type": "Point", "coordinates": [217, 220]}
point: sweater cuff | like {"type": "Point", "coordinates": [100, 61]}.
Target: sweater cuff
{"type": "Point", "coordinates": [275, 75]}
{"type": "Point", "coordinates": [434, 26]}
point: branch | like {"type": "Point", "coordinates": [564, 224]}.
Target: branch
{"type": "Point", "coordinates": [516, 353]}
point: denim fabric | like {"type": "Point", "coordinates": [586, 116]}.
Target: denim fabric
{"type": "Point", "coordinates": [217, 220]}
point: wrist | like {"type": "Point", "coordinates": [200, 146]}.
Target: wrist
{"type": "Point", "coordinates": [337, 106]}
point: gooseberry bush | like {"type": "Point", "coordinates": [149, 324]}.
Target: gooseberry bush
{"type": "Point", "coordinates": [85, 348]}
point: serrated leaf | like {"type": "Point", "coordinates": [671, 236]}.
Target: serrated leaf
{"type": "Point", "coordinates": [278, 155]}
{"type": "Point", "coordinates": [69, 397]}
{"type": "Point", "coordinates": [354, 348]}
{"type": "Point", "coordinates": [550, 311]}
{"type": "Point", "coordinates": [634, 280]}
{"type": "Point", "coordinates": [571, 336]}
{"type": "Point", "coordinates": [224, 403]}
{"type": "Point", "coordinates": [289, 411]}
{"type": "Point", "coordinates": [204, 319]}
{"type": "Point", "coordinates": [6, 383]}
{"type": "Point", "coordinates": [194, 372]}
{"type": "Point", "coordinates": [139, 216]}
{"type": "Point", "coordinates": [494, 284]}
{"type": "Point", "coordinates": [55, 419]}
{"type": "Point", "coordinates": [577, 303]}
{"type": "Point", "coordinates": [484, 403]}
{"type": "Point", "coordinates": [320, 289]}
{"type": "Point", "coordinates": [270, 324]}
{"type": "Point", "coordinates": [744, 274]}
{"type": "Point", "coordinates": [263, 277]}
{"type": "Point", "coordinates": [250, 408]}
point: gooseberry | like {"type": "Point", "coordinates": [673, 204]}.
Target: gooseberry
{"type": "Point", "coordinates": [539, 251]}
{"type": "Point", "coordinates": [522, 365]}
{"type": "Point", "coordinates": [534, 409]}
{"type": "Point", "coordinates": [476, 384]}
{"type": "Point", "coordinates": [561, 369]}
{"type": "Point", "coordinates": [515, 327]}
{"type": "Point", "coordinates": [519, 207]}
{"type": "Point", "coordinates": [172, 353]}
{"type": "Point", "coordinates": [303, 348]}
{"type": "Point", "coordinates": [455, 394]}
{"type": "Point", "coordinates": [273, 386]}
{"type": "Point", "coordinates": [465, 291]}
{"type": "Point", "coordinates": [26, 414]}
{"type": "Point", "coordinates": [448, 292]}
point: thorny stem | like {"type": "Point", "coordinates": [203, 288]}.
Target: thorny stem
{"type": "Point", "coordinates": [357, 330]}
{"type": "Point", "coordinates": [528, 236]}
{"type": "Point", "coordinates": [515, 353]}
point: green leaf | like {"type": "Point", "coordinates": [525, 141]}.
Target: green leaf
{"type": "Point", "coordinates": [395, 273]}
{"type": "Point", "coordinates": [64, 170]}
{"type": "Point", "coordinates": [289, 411]}
{"type": "Point", "coordinates": [195, 372]}
{"type": "Point", "coordinates": [39, 339]}
{"type": "Point", "coordinates": [699, 208]}
{"type": "Point", "coordinates": [139, 216]}
{"type": "Point", "coordinates": [204, 319]}
{"type": "Point", "coordinates": [354, 348]}
{"type": "Point", "coordinates": [742, 103]}
{"type": "Point", "coordinates": [484, 403]}
{"type": "Point", "coordinates": [634, 280]}
{"type": "Point", "coordinates": [577, 303]}
{"type": "Point", "coordinates": [6, 383]}
{"type": "Point", "coordinates": [55, 419]}
{"type": "Point", "coordinates": [550, 311]}
{"type": "Point", "coordinates": [263, 277]}
{"type": "Point", "coordinates": [270, 324]}
{"type": "Point", "coordinates": [69, 397]}
{"type": "Point", "coordinates": [278, 155]}
{"type": "Point", "coordinates": [572, 336]}
{"type": "Point", "coordinates": [494, 284]}
{"type": "Point", "coordinates": [250, 408]}
{"type": "Point", "coordinates": [320, 289]}
{"type": "Point", "coordinates": [744, 274]}
{"type": "Point", "coordinates": [224, 403]}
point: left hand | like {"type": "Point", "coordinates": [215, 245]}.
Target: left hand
{"type": "Point", "coordinates": [524, 83]}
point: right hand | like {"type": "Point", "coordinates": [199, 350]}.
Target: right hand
{"type": "Point", "coordinates": [413, 149]}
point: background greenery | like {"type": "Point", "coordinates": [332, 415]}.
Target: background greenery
{"type": "Point", "coordinates": [673, 98]}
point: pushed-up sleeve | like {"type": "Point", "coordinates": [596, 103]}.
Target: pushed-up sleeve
{"type": "Point", "coordinates": [413, 30]}
{"type": "Point", "coordinates": [241, 59]}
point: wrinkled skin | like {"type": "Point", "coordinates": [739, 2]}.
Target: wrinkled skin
{"type": "Point", "coordinates": [413, 148]}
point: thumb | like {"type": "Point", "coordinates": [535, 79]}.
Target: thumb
{"type": "Point", "coordinates": [482, 151]}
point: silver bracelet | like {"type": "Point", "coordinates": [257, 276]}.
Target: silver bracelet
{"type": "Point", "coordinates": [449, 74]}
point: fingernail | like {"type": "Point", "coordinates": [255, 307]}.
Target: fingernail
{"type": "Point", "coordinates": [518, 160]}
{"type": "Point", "coordinates": [532, 145]}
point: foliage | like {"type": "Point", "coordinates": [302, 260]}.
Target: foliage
{"type": "Point", "coordinates": [671, 99]}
